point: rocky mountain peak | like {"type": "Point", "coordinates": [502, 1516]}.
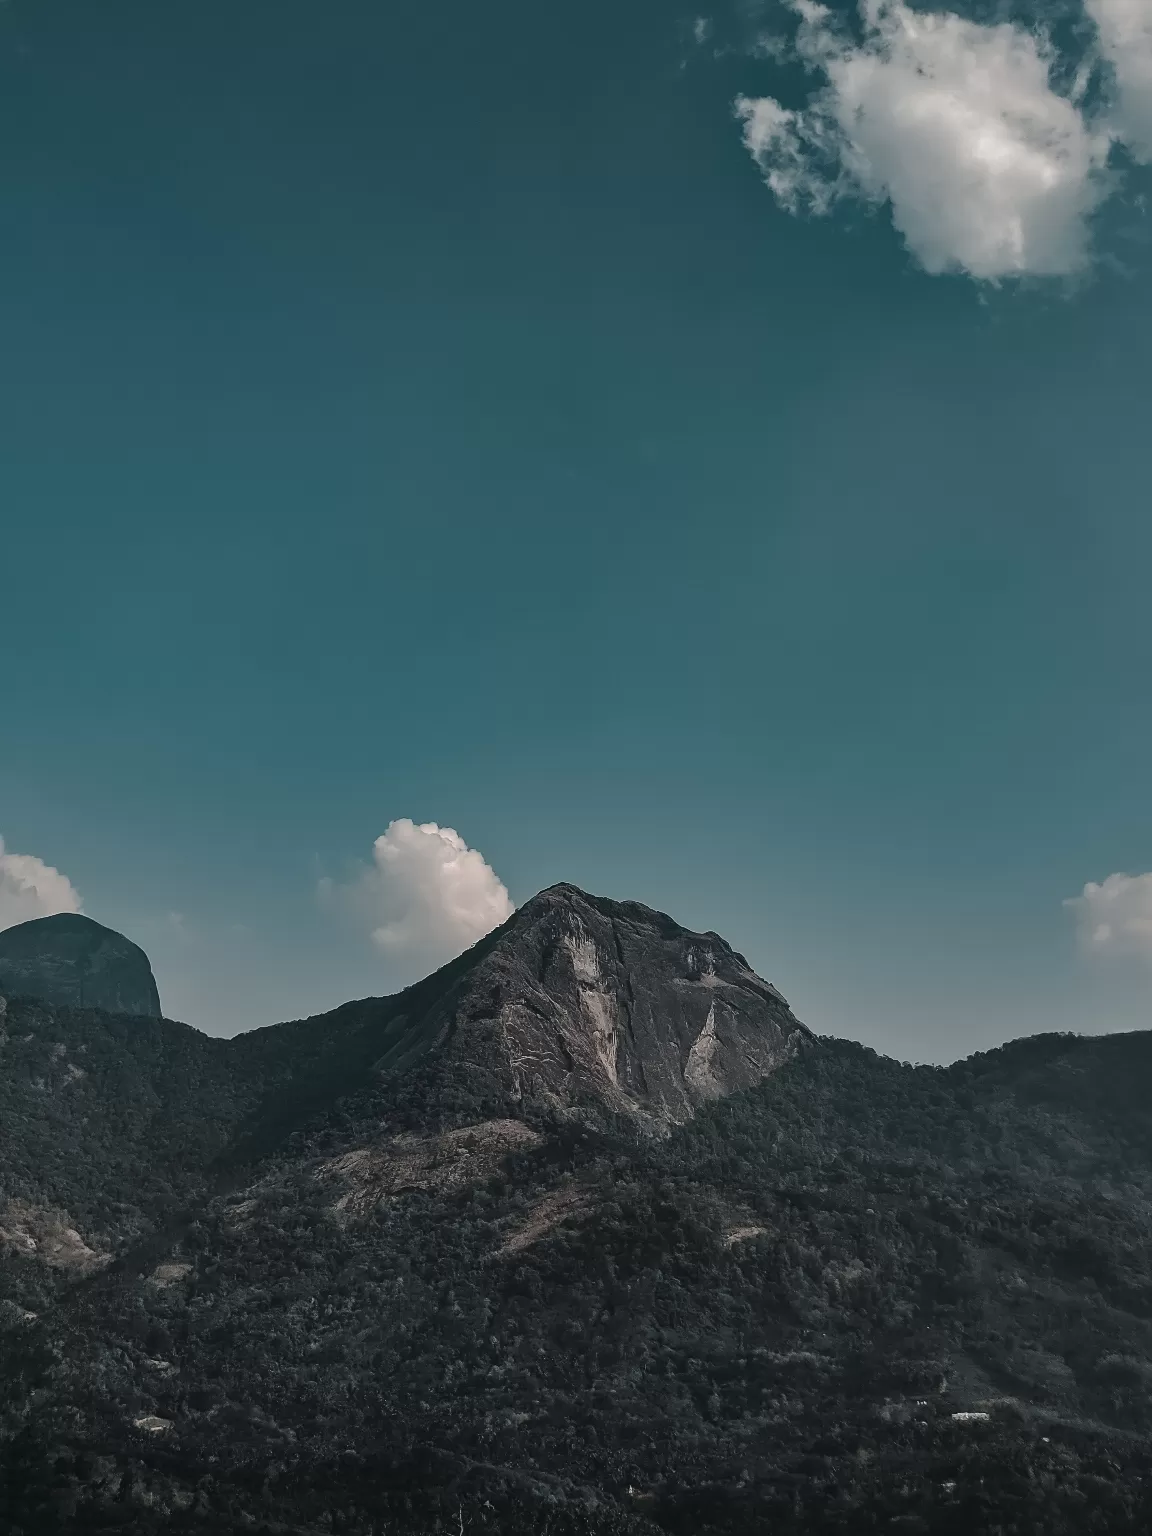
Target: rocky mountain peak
{"type": "Point", "coordinates": [579, 1002]}
{"type": "Point", "coordinates": [70, 961]}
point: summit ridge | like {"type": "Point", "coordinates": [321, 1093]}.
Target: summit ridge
{"type": "Point", "coordinates": [584, 1001]}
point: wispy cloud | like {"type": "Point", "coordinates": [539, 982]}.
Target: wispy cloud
{"type": "Point", "coordinates": [30, 888]}
{"type": "Point", "coordinates": [989, 163]}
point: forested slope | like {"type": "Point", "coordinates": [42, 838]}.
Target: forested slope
{"type": "Point", "coordinates": [856, 1296]}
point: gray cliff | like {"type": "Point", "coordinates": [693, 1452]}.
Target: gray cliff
{"type": "Point", "coordinates": [70, 961]}
{"type": "Point", "coordinates": [579, 1001]}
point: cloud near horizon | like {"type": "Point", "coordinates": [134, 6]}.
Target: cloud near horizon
{"type": "Point", "coordinates": [427, 897]}
{"type": "Point", "coordinates": [957, 126]}
{"type": "Point", "coordinates": [30, 888]}
{"type": "Point", "coordinates": [1114, 916]}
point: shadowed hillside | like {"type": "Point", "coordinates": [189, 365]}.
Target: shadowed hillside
{"type": "Point", "coordinates": [585, 1233]}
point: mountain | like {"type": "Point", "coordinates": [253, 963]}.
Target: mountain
{"type": "Point", "coordinates": [71, 961]}
{"type": "Point", "coordinates": [579, 1006]}
{"type": "Point", "coordinates": [577, 1012]}
{"type": "Point", "coordinates": [585, 1233]}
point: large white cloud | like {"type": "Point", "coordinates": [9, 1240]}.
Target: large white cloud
{"type": "Point", "coordinates": [1125, 33]}
{"type": "Point", "coordinates": [30, 888]}
{"type": "Point", "coordinates": [955, 125]}
{"type": "Point", "coordinates": [1115, 915]}
{"type": "Point", "coordinates": [427, 896]}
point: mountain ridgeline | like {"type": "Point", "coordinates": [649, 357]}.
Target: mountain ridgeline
{"type": "Point", "coordinates": [586, 1232]}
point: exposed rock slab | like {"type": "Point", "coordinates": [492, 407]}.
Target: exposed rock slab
{"type": "Point", "coordinates": [403, 1164]}
{"type": "Point", "coordinates": [47, 1237]}
{"type": "Point", "coordinates": [550, 1212]}
{"type": "Point", "coordinates": [584, 1004]}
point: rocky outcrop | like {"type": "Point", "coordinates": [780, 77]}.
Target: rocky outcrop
{"type": "Point", "coordinates": [70, 961]}
{"type": "Point", "coordinates": [404, 1164]}
{"type": "Point", "coordinates": [47, 1236]}
{"type": "Point", "coordinates": [581, 1003]}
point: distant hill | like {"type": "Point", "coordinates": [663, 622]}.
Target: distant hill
{"type": "Point", "coordinates": [70, 961]}
{"type": "Point", "coordinates": [584, 1233]}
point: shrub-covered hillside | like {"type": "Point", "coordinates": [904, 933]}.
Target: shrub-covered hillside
{"type": "Point", "coordinates": [767, 1320]}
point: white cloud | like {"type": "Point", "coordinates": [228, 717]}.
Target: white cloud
{"type": "Point", "coordinates": [428, 896]}
{"type": "Point", "coordinates": [987, 168]}
{"type": "Point", "coordinates": [1115, 916]}
{"type": "Point", "coordinates": [30, 888]}
{"type": "Point", "coordinates": [1124, 28]}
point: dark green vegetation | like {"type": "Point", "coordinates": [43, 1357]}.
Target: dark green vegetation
{"type": "Point", "coordinates": [365, 1301]}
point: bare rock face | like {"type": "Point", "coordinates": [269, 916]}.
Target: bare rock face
{"type": "Point", "coordinates": [70, 961]}
{"type": "Point", "coordinates": [47, 1236]}
{"type": "Point", "coordinates": [583, 1002]}
{"type": "Point", "coordinates": [401, 1164]}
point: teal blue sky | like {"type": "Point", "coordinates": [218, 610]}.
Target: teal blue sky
{"type": "Point", "coordinates": [427, 411]}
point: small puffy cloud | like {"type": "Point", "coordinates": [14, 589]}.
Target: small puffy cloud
{"type": "Point", "coordinates": [30, 888]}
{"type": "Point", "coordinates": [1115, 916]}
{"type": "Point", "coordinates": [427, 896]}
{"type": "Point", "coordinates": [1124, 29]}
{"type": "Point", "coordinates": [987, 168]}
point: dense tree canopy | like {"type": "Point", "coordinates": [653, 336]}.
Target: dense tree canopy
{"type": "Point", "coordinates": [766, 1321]}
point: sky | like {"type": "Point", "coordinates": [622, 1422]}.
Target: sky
{"type": "Point", "coordinates": [702, 456]}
